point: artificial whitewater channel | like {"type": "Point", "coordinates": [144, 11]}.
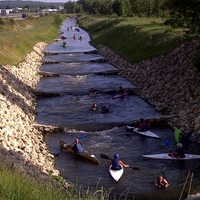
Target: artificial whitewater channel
{"type": "Point", "coordinates": [75, 71]}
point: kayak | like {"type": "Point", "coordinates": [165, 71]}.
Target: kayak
{"type": "Point", "coordinates": [120, 95]}
{"type": "Point", "coordinates": [168, 157]}
{"type": "Point", "coordinates": [84, 156]}
{"type": "Point", "coordinates": [146, 133]}
{"type": "Point", "coordinates": [116, 174]}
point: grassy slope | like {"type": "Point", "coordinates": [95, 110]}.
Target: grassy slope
{"type": "Point", "coordinates": [132, 37]}
{"type": "Point", "coordinates": [17, 39]}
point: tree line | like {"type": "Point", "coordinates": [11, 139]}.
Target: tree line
{"type": "Point", "coordinates": [180, 13]}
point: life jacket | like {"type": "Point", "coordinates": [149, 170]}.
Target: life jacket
{"type": "Point", "coordinates": [115, 165]}
{"type": "Point", "coordinates": [180, 153]}
{"type": "Point", "coordinates": [143, 127]}
{"type": "Point", "coordinates": [77, 148]}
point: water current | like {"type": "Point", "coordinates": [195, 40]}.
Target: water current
{"type": "Point", "coordinates": [75, 74]}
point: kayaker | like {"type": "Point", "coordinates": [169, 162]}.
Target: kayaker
{"type": "Point", "coordinates": [143, 125]}
{"type": "Point", "coordinates": [63, 37]}
{"type": "Point", "coordinates": [105, 109]}
{"type": "Point", "coordinates": [80, 37]}
{"type": "Point", "coordinates": [77, 147]}
{"type": "Point", "coordinates": [179, 151]}
{"type": "Point", "coordinates": [120, 90]}
{"type": "Point", "coordinates": [94, 107]}
{"type": "Point", "coordinates": [161, 182]}
{"type": "Point", "coordinates": [64, 43]}
{"type": "Point", "coordinates": [116, 163]}
{"type": "Point", "coordinates": [93, 91]}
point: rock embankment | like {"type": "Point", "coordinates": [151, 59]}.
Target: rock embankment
{"type": "Point", "coordinates": [169, 82]}
{"type": "Point", "coordinates": [22, 145]}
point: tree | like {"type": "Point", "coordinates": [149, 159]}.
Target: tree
{"type": "Point", "coordinates": [184, 13]}
{"type": "Point", "coordinates": [121, 7]}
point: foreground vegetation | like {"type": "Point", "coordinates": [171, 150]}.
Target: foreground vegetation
{"type": "Point", "coordinates": [134, 38]}
{"type": "Point", "coordinates": [17, 186]}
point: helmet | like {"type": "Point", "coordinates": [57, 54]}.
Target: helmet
{"type": "Point", "coordinates": [116, 156]}
{"type": "Point", "coordinates": [179, 145]}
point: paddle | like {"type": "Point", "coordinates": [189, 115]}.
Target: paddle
{"type": "Point", "coordinates": [167, 143]}
{"type": "Point", "coordinates": [104, 156]}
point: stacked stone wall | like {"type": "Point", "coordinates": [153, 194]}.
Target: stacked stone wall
{"type": "Point", "coordinates": [22, 145]}
{"type": "Point", "coordinates": [170, 83]}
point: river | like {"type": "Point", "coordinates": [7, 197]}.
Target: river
{"type": "Point", "coordinates": [75, 73]}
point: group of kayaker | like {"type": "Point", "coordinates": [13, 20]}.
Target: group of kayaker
{"type": "Point", "coordinates": [104, 109]}
{"type": "Point", "coordinates": [64, 44]}
{"type": "Point", "coordinates": [117, 164]}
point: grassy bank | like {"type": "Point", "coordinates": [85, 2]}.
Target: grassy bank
{"type": "Point", "coordinates": [134, 38]}
{"type": "Point", "coordinates": [17, 186]}
{"type": "Point", "coordinates": [18, 37]}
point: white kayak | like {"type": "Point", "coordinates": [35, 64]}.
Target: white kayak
{"type": "Point", "coordinates": [120, 95]}
{"type": "Point", "coordinates": [146, 133]}
{"type": "Point", "coordinates": [116, 174]}
{"type": "Point", "coordinates": [168, 157]}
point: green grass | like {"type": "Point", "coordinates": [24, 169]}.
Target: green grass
{"type": "Point", "coordinates": [17, 39]}
{"type": "Point", "coordinates": [17, 186]}
{"type": "Point", "coordinates": [134, 38]}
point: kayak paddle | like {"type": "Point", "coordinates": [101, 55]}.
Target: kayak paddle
{"type": "Point", "coordinates": [104, 156]}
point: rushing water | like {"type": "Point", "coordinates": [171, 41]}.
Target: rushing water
{"type": "Point", "coordinates": [106, 133]}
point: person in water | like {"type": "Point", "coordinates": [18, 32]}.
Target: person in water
{"type": "Point", "coordinates": [105, 109]}
{"type": "Point", "coordinates": [77, 147]}
{"type": "Point", "coordinates": [93, 91]}
{"type": "Point", "coordinates": [64, 43]}
{"type": "Point", "coordinates": [63, 37]}
{"type": "Point", "coordinates": [74, 36]}
{"type": "Point", "coordinates": [143, 125]}
{"type": "Point", "coordinates": [116, 163]}
{"type": "Point", "coordinates": [120, 90]}
{"type": "Point", "coordinates": [161, 182]}
{"type": "Point", "coordinates": [94, 107]}
{"type": "Point", "coordinates": [178, 152]}
{"type": "Point", "coordinates": [80, 37]}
